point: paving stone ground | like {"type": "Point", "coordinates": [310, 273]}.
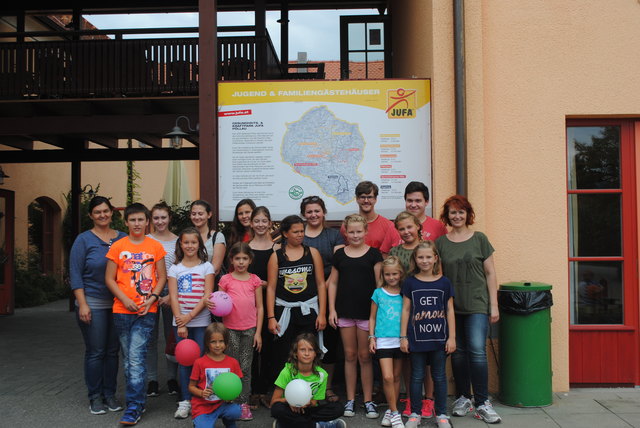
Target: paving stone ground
{"type": "Point", "coordinates": [41, 385]}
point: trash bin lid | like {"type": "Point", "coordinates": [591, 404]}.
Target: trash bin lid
{"type": "Point", "coordinates": [525, 286]}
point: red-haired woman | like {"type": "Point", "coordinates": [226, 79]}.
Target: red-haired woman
{"type": "Point", "coordinates": [467, 260]}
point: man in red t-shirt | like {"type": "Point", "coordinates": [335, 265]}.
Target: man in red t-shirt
{"type": "Point", "coordinates": [416, 200]}
{"type": "Point", "coordinates": [378, 227]}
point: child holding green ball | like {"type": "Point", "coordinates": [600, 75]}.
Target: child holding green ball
{"type": "Point", "coordinates": [206, 406]}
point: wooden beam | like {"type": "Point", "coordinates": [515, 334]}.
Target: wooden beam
{"type": "Point", "coordinates": [149, 140]}
{"type": "Point", "coordinates": [99, 155]}
{"type": "Point", "coordinates": [17, 142]}
{"type": "Point", "coordinates": [158, 124]}
{"type": "Point", "coordinates": [49, 139]}
{"type": "Point", "coordinates": [208, 103]}
{"type": "Point", "coordinates": [107, 141]}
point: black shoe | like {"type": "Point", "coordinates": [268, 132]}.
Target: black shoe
{"type": "Point", "coordinates": [97, 407]}
{"type": "Point", "coordinates": [172, 385]}
{"type": "Point", "coordinates": [113, 404]}
{"type": "Point", "coordinates": [152, 389]}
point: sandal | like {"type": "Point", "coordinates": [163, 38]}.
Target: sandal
{"type": "Point", "coordinates": [331, 396]}
{"type": "Point", "coordinates": [254, 401]}
{"type": "Point", "coordinates": [265, 401]}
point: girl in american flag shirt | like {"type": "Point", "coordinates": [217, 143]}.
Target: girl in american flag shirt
{"type": "Point", "coordinates": [190, 284]}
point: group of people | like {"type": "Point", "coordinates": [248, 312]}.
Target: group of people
{"type": "Point", "coordinates": [408, 292]}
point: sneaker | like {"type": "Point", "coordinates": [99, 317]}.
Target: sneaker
{"type": "Point", "coordinates": [371, 409]}
{"type": "Point", "coordinates": [172, 386]}
{"type": "Point", "coordinates": [97, 407]}
{"type": "Point", "coordinates": [113, 404]}
{"type": "Point", "coordinates": [407, 409]}
{"type": "Point", "coordinates": [386, 419]}
{"type": "Point", "coordinates": [132, 415]}
{"type": "Point", "coordinates": [443, 421]}
{"type": "Point", "coordinates": [245, 412]}
{"type": "Point", "coordinates": [396, 420]}
{"type": "Point", "coordinates": [487, 414]}
{"type": "Point", "coordinates": [349, 409]}
{"type": "Point", "coordinates": [427, 408]}
{"type": "Point", "coordinates": [462, 406]}
{"type": "Point", "coordinates": [184, 408]}
{"type": "Point", "coordinates": [336, 423]}
{"type": "Point", "coordinates": [152, 389]}
{"type": "Point", "coordinates": [413, 422]}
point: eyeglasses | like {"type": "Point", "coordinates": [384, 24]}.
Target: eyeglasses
{"type": "Point", "coordinates": [366, 197]}
{"type": "Point", "coordinates": [310, 199]}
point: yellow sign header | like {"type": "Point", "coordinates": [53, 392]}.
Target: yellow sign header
{"type": "Point", "coordinates": [398, 98]}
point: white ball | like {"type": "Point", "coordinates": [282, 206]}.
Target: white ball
{"type": "Point", "coordinates": [298, 393]}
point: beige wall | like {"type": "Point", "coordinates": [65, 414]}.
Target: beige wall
{"type": "Point", "coordinates": [530, 65]}
{"type": "Point", "coordinates": [30, 181]}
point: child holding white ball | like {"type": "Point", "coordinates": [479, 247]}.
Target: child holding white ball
{"type": "Point", "coordinates": [245, 319]}
{"type": "Point", "coordinates": [304, 364]}
{"type": "Point", "coordinates": [190, 284]}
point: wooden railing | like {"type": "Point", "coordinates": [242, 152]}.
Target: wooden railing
{"type": "Point", "coordinates": [126, 68]}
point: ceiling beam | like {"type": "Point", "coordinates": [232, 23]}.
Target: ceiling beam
{"type": "Point", "coordinates": [107, 141]}
{"type": "Point", "coordinates": [158, 124]}
{"type": "Point", "coordinates": [16, 142]}
{"type": "Point", "coordinates": [99, 155]}
{"type": "Point", "coordinates": [149, 140]}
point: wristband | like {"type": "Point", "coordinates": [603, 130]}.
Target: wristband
{"type": "Point", "coordinates": [156, 296]}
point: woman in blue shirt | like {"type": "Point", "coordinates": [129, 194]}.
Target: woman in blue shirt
{"type": "Point", "coordinates": [87, 263]}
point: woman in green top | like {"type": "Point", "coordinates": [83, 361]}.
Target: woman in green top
{"type": "Point", "coordinates": [467, 260]}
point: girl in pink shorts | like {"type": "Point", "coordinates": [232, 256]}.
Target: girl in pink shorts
{"type": "Point", "coordinates": [354, 276]}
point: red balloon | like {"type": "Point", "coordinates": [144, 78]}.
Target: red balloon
{"type": "Point", "coordinates": [187, 351]}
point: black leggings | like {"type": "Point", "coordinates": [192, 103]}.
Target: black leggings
{"type": "Point", "coordinates": [323, 412]}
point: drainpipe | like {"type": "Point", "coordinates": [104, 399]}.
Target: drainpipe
{"type": "Point", "coordinates": [460, 97]}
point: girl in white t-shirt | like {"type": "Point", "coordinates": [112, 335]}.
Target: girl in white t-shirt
{"type": "Point", "coordinates": [190, 284]}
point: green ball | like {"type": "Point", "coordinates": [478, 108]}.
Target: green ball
{"type": "Point", "coordinates": [227, 386]}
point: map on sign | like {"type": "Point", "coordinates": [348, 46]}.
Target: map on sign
{"type": "Point", "coordinates": [326, 149]}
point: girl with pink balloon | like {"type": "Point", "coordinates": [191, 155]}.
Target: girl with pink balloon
{"type": "Point", "coordinates": [300, 390]}
{"type": "Point", "coordinates": [190, 284]}
{"type": "Point", "coordinates": [245, 319]}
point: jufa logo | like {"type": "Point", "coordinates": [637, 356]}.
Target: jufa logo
{"type": "Point", "coordinates": [401, 103]}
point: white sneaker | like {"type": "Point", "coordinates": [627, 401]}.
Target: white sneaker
{"type": "Point", "coordinates": [487, 414]}
{"type": "Point", "coordinates": [386, 419]}
{"type": "Point", "coordinates": [183, 411]}
{"type": "Point", "coordinates": [396, 420]}
{"type": "Point", "coordinates": [462, 406]}
{"type": "Point", "coordinates": [443, 421]}
{"type": "Point", "coordinates": [413, 421]}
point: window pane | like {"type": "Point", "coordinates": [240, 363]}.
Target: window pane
{"type": "Point", "coordinates": [375, 65]}
{"type": "Point", "coordinates": [594, 157]}
{"type": "Point", "coordinates": [357, 35]}
{"type": "Point", "coordinates": [357, 64]}
{"type": "Point", "coordinates": [597, 293]}
{"type": "Point", "coordinates": [595, 222]}
{"type": "Point", "coordinates": [375, 35]}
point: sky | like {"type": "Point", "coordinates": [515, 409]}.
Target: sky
{"type": "Point", "coordinates": [315, 32]}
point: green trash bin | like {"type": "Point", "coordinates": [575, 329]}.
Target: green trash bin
{"type": "Point", "coordinates": [525, 344]}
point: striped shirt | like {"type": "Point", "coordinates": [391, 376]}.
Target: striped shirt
{"type": "Point", "coordinates": [190, 282]}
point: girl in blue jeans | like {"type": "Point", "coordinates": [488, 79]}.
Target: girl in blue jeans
{"type": "Point", "coordinates": [190, 284]}
{"type": "Point", "coordinates": [428, 329]}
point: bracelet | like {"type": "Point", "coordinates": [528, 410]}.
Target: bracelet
{"type": "Point", "coordinates": [404, 337]}
{"type": "Point", "coordinates": [270, 318]}
{"type": "Point", "coordinates": [372, 337]}
{"type": "Point", "coordinates": [156, 296]}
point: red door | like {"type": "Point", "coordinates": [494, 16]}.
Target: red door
{"type": "Point", "coordinates": [6, 252]}
{"type": "Point", "coordinates": [603, 248]}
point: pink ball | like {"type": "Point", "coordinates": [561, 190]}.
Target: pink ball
{"type": "Point", "coordinates": [223, 303]}
{"type": "Point", "coordinates": [187, 351]}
